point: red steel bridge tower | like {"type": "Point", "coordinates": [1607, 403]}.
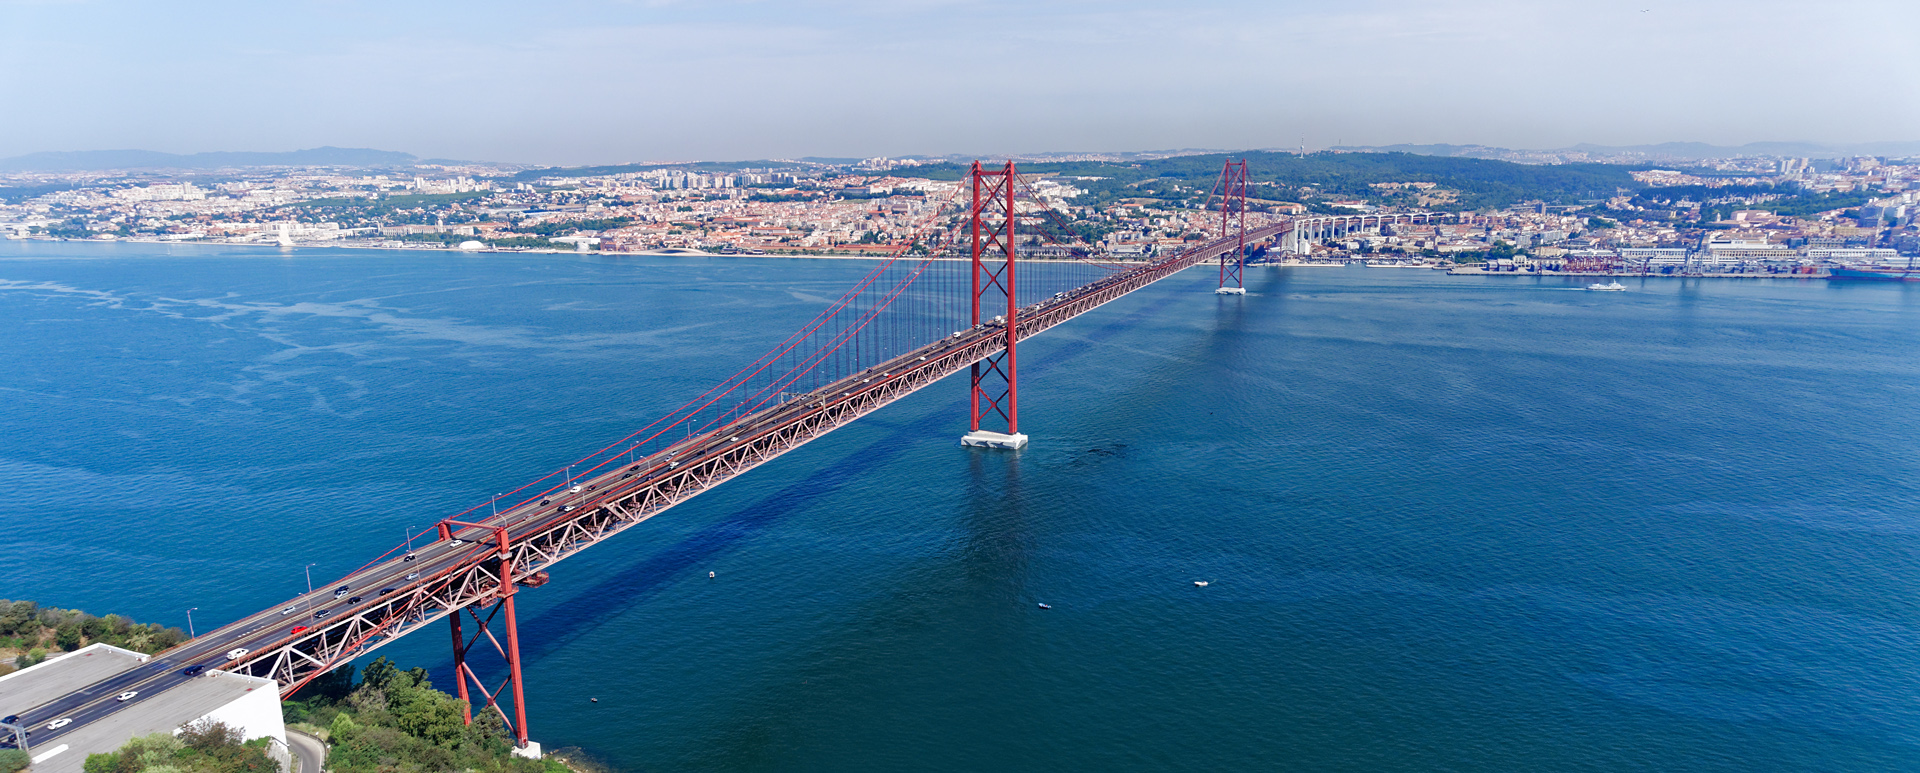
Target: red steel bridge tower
{"type": "Point", "coordinates": [991, 224]}
{"type": "Point", "coordinates": [1232, 190]}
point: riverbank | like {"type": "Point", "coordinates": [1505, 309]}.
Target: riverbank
{"type": "Point", "coordinates": [30, 633]}
{"type": "Point", "coordinates": [425, 247]}
{"type": "Point", "coordinates": [392, 718]}
{"type": "Point", "coordinates": [1474, 271]}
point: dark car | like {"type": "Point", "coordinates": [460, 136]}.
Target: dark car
{"type": "Point", "coordinates": [340, 591]}
{"type": "Point", "coordinates": [408, 557]}
{"type": "Point", "coordinates": [355, 600]}
{"type": "Point", "coordinates": [322, 613]}
{"type": "Point", "coordinates": [192, 670]}
{"type": "Point", "coordinates": [385, 591]}
{"type": "Point", "coordinates": [12, 719]}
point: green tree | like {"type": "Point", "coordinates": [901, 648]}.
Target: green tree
{"type": "Point", "coordinates": [201, 747]}
{"type": "Point", "coordinates": [13, 760]}
{"type": "Point", "coordinates": [378, 674]}
{"type": "Point", "coordinates": [343, 728]}
{"type": "Point", "coordinates": [426, 713]}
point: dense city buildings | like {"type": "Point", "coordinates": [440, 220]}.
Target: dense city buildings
{"type": "Point", "coordinates": [1738, 215]}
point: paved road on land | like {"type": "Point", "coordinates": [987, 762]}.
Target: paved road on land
{"type": "Point", "coordinates": [309, 751]}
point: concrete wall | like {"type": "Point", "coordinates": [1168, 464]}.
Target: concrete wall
{"type": "Point", "coordinates": [257, 713]}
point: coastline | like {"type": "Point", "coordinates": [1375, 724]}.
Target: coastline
{"type": "Point", "coordinates": [1468, 271]}
{"type": "Point", "coordinates": [1457, 270]}
{"type": "Point", "coordinates": [644, 254]}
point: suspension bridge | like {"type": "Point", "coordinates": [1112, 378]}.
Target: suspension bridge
{"type": "Point", "coordinates": [956, 295]}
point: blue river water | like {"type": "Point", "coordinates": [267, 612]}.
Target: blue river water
{"type": "Point", "coordinates": [1449, 523]}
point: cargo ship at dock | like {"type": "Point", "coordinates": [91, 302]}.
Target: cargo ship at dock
{"type": "Point", "coordinates": [1908, 274]}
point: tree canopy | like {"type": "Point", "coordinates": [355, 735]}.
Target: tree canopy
{"type": "Point", "coordinates": [394, 721]}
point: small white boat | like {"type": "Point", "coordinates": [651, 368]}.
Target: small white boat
{"type": "Point", "coordinates": [1200, 583]}
{"type": "Point", "coordinates": [1610, 287]}
{"type": "Point", "coordinates": [1046, 606]}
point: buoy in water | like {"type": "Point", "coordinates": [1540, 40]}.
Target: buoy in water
{"type": "Point", "coordinates": [710, 575]}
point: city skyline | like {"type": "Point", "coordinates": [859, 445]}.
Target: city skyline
{"type": "Point", "coordinates": [593, 82]}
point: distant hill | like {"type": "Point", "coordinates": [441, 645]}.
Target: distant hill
{"type": "Point", "coordinates": [1478, 182]}
{"type": "Point", "coordinates": [1664, 150]}
{"type": "Point", "coordinates": [704, 167]}
{"type": "Point", "coordinates": [102, 160]}
{"type": "Point", "coordinates": [1465, 151]}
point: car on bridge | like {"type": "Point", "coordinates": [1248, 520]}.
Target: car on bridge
{"type": "Point", "coordinates": [59, 723]}
{"type": "Point", "coordinates": [237, 653]}
{"type": "Point", "coordinates": [192, 670]}
{"type": "Point", "coordinates": [127, 696]}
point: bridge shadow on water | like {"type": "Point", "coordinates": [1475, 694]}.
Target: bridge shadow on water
{"type": "Point", "coordinates": [555, 627]}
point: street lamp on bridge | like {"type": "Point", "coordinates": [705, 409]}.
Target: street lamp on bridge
{"type": "Point", "coordinates": [190, 633]}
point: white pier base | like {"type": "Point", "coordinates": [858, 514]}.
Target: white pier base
{"type": "Point", "coordinates": [985, 439]}
{"type": "Point", "coordinates": [1231, 291]}
{"type": "Point", "coordinates": [530, 751]}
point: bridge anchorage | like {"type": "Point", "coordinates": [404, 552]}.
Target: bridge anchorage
{"type": "Point", "coordinates": [991, 265]}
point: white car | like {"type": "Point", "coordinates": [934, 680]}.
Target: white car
{"type": "Point", "coordinates": [59, 723]}
{"type": "Point", "coordinates": [289, 610]}
{"type": "Point", "coordinates": [237, 653]}
{"type": "Point", "coordinates": [127, 696]}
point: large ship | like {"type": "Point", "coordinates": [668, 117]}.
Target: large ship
{"type": "Point", "coordinates": [1908, 274]}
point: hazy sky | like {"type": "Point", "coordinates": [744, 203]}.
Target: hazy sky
{"type": "Point", "coordinates": [586, 81]}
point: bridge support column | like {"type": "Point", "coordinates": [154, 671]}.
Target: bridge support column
{"type": "Point", "coordinates": [1233, 214]}
{"type": "Point", "coordinates": [463, 647]}
{"type": "Point", "coordinates": [992, 219]}
{"type": "Point", "coordinates": [460, 666]}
